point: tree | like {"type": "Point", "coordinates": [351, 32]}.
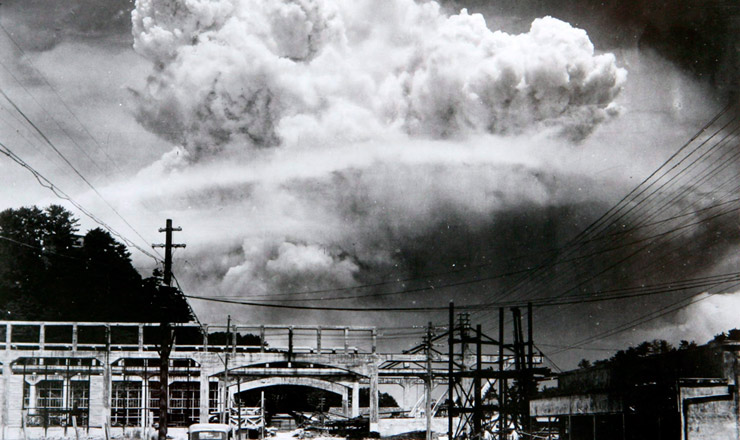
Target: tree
{"type": "Point", "coordinates": [46, 275]}
{"type": "Point", "coordinates": [584, 363]}
{"type": "Point", "coordinates": [34, 249]}
{"type": "Point", "coordinates": [385, 400]}
{"type": "Point", "coordinates": [644, 349]}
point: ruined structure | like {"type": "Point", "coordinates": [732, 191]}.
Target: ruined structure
{"type": "Point", "coordinates": [101, 379]}
{"type": "Point", "coordinates": [681, 395]}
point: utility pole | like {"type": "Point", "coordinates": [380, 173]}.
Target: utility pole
{"type": "Point", "coordinates": [428, 383]}
{"type": "Point", "coordinates": [450, 372]}
{"type": "Point", "coordinates": [225, 416]}
{"type": "Point", "coordinates": [165, 328]}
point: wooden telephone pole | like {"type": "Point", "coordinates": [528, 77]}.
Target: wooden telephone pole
{"type": "Point", "coordinates": [165, 328]}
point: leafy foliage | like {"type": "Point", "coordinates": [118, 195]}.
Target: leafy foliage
{"type": "Point", "coordinates": [732, 335]}
{"type": "Point", "coordinates": [385, 400]}
{"type": "Point", "coordinates": [644, 349]}
{"type": "Point", "coordinates": [48, 273]}
{"type": "Point", "coordinates": [648, 348]}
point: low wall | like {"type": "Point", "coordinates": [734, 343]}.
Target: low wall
{"type": "Point", "coordinates": [389, 427]}
{"type": "Point", "coordinates": [59, 433]}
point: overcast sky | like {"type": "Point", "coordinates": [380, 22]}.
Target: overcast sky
{"type": "Point", "coordinates": [316, 145]}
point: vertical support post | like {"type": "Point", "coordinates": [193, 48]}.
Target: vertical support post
{"type": "Point", "coordinates": [7, 374]}
{"type": "Point", "coordinates": [141, 338]}
{"type": "Point", "coordinates": [345, 402]}
{"type": "Point", "coordinates": [570, 427]}
{"type": "Point", "coordinates": [239, 407]}
{"type": "Point", "coordinates": [355, 399]}
{"type": "Point", "coordinates": [318, 340]}
{"type": "Point", "coordinates": [164, 377]}
{"type": "Point", "coordinates": [593, 423]}
{"type": "Point", "coordinates": [530, 341]}
{"type": "Point", "coordinates": [165, 330]}
{"type": "Point", "coordinates": [75, 337]}
{"type": "Point", "coordinates": [502, 379]}
{"type": "Point", "coordinates": [66, 397]}
{"type": "Point", "coordinates": [262, 413]}
{"type": "Point", "coordinates": [624, 428]}
{"type": "Point", "coordinates": [42, 336]}
{"type": "Point", "coordinates": [5, 408]}
{"type": "Point", "coordinates": [531, 388]}
{"type": "Point", "coordinates": [145, 397]}
{"type": "Point", "coordinates": [518, 348]}
{"type": "Point", "coordinates": [290, 344]}
{"type": "Point", "coordinates": [205, 337]}
{"type": "Point", "coordinates": [234, 339]}
{"type": "Point", "coordinates": [478, 403]}
{"type": "Point", "coordinates": [226, 412]}
{"type": "Point", "coordinates": [450, 379]}
{"type": "Point", "coordinates": [375, 340]}
{"type": "Point", "coordinates": [374, 416]}
{"type": "Point", "coordinates": [428, 383]}
{"type": "Point", "coordinates": [205, 397]}
{"type": "Point", "coordinates": [262, 339]}
{"type": "Point", "coordinates": [346, 340]}
{"type": "Point", "coordinates": [107, 381]}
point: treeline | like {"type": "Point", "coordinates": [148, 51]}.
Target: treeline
{"type": "Point", "coordinates": [658, 346]}
{"type": "Point", "coordinates": [49, 272]}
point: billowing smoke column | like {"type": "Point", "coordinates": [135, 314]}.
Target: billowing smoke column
{"type": "Point", "coordinates": [254, 74]}
{"type": "Point", "coordinates": [330, 143]}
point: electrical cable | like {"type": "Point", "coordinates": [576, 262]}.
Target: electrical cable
{"type": "Point", "coordinates": [79, 174]}
{"type": "Point", "coordinates": [46, 183]}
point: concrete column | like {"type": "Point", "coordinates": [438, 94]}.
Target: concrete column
{"type": "Point", "coordinates": [65, 391]}
{"type": "Point", "coordinates": [406, 404]}
{"type": "Point", "coordinates": [356, 399]}
{"type": "Point", "coordinates": [222, 390]}
{"type": "Point", "coordinates": [32, 381]}
{"type": "Point", "coordinates": [14, 402]}
{"type": "Point", "coordinates": [205, 338]}
{"type": "Point", "coordinates": [4, 405]}
{"type": "Point", "coordinates": [262, 338]}
{"type": "Point", "coordinates": [318, 340]}
{"type": "Point", "coordinates": [106, 395]}
{"type": "Point", "coordinates": [42, 336]}
{"type": "Point", "coordinates": [345, 402]}
{"type": "Point", "coordinates": [346, 340]}
{"type": "Point", "coordinates": [97, 410]}
{"type": "Point", "coordinates": [74, 337]}
{"type": "Point", "coordinates": [204, 391]}
{"type": "Point", "coordinates": [144, 420]}
{"type": "Point", "coordinates": [141, 337]}
{"type": "Point", "coordinates": [374, 415]}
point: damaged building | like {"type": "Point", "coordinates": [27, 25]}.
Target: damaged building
{"type": "Point", "coordinates": [688, 394]}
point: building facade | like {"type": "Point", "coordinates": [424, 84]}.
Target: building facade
{"type": "Point", "coordinates": [102, 380]}
{"type": "Point", "coordinates": [687, 394]}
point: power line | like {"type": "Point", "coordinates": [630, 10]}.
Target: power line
{"type": "Point", "coordinates": [586, 297]}
{"type": "Point", "coordinates": [82, 150]}
{"type": "Point", "coordinates": [56, 93]}
{"type": "Point", "coordinates": [84, 179]}
{"type": "Point", "coordinates": [611, 214]}
{"type": "Point", "coordinates": [48, 184]}
{"type": "Point", "coordinates": [39, 248]}
{"type": "Point", "coordinates": [675, 306]}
